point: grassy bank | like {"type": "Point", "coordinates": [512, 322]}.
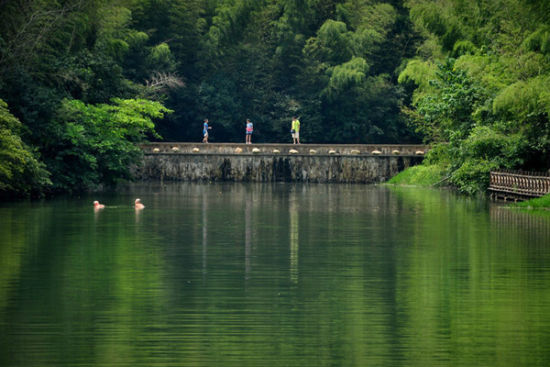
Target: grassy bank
{"type": "Point", "coordinates": [418, 176]}
{"type": "Point", "coordinates": [538, 203]}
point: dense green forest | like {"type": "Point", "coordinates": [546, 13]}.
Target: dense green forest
{"type": "Point", "coordinates": [82, 81]}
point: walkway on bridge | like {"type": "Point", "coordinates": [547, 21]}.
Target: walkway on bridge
{"type": "Point", "coordinates": [285, 149]}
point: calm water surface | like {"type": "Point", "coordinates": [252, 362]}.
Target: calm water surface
{"type": "Point", "coordinates": [273, 275]}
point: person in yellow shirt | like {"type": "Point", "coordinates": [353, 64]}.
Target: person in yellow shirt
{"type": "Point", "coordinates": [295, 130]}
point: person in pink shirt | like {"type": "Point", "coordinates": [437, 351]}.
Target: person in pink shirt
{"type": "Point", "coordinates": [249, 130]}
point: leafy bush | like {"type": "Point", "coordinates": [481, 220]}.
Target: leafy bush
{"type": "Point", "coordinates": [439, 154]}
{"type": "Point", "coordinates": [468, 161]}
{"type": "Point", "coordinates": [96, 143]}
{"type": "Point", "coordinates": [485, 149]}
{"type": "Point", "coordinates": [473, 176]}
{"type": "Point", "coordinates": [487, 143]}
{"type": "Point", "coordinates": [20, 171]}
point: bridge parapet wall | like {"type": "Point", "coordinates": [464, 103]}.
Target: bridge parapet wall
{"type": "Point", "coordinates": [220, 162]}
{"type": "Point", "coordinates": [284, 149]}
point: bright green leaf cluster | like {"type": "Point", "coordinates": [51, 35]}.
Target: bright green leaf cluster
{"type": "Point", "coordinates": [20, 171]}
{"type": "Point", "coordinates": [98, 142]}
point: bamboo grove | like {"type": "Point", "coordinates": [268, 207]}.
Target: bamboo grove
{"type": "Point", "coordinates": [82, 81]}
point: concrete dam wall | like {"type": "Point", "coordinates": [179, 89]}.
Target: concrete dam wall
{"type": "Point", "coordinates": [276, 162]}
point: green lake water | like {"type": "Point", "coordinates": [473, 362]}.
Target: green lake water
{"type": "Point", "coordinates": [273, 275]}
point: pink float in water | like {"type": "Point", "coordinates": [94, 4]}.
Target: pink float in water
{"type": "Point", "coordinates": [138, 204]}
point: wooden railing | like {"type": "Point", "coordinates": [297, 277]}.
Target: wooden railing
{"type": "Point", "coordinates": [528, 184]}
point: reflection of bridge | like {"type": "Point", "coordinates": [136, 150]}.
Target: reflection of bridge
{"type": "Point", "coordinates": [277, 162]}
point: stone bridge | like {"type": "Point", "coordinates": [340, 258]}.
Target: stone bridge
{"type": "Point", "coordinates": [369, 163]}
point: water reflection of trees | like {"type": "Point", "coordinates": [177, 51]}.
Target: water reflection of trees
{"type": "Point", "coordinates": [21, 228]}
{"type": "Point", "coordinates": [241, 274]}
{"type": "Point", "coordinates": [294, 233]}
{"type": "Point", "coordinates": [470, 276]}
